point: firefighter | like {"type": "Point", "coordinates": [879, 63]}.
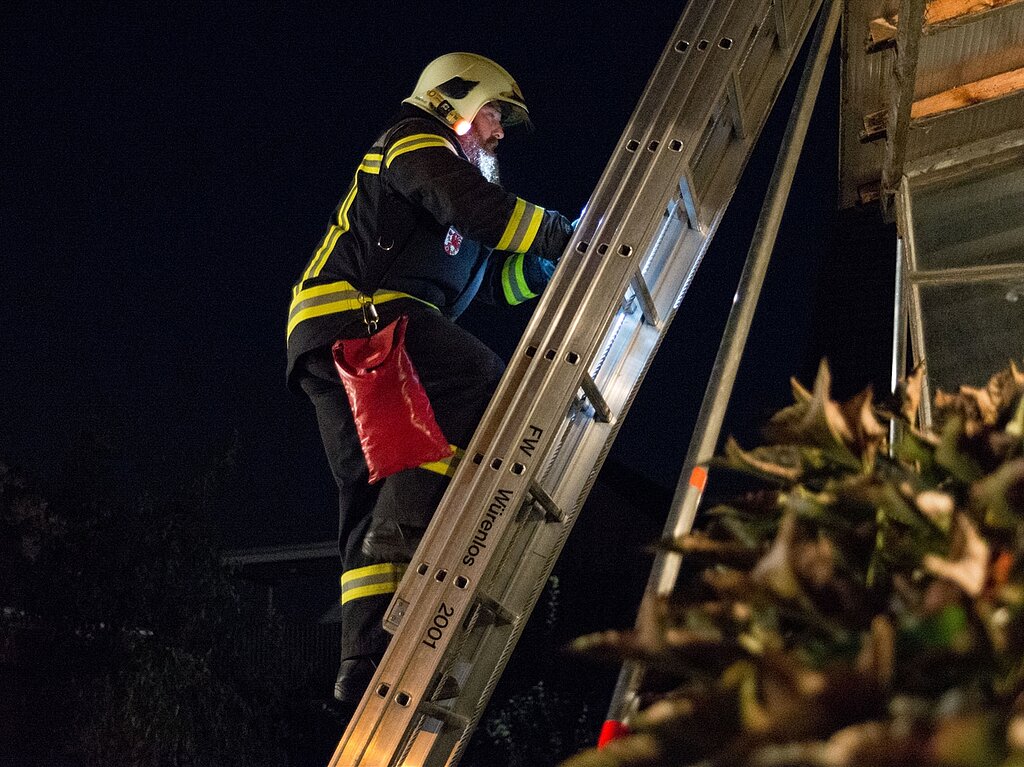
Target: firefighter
{"type": "Point", "coordinates": [423, 228]}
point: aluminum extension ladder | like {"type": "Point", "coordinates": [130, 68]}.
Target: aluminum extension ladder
{"type": "Point", "coordinates": [465, 599]}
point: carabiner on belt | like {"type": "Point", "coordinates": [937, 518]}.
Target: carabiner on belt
{"type": "Point", "coordinates": [370, 316]}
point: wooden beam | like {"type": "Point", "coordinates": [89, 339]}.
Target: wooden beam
{"type": "Point", "coordinates": [966, 95]}
{"type": "Point", "coordinates": [942, 11]}
{"type": "Point", "coordinates": [881, 34]}
{"type": "Point", "coordinates": [900, 92]}
{"type": "Point", "coordinates": [969, 94]}
{"type": "Point", "coordinates": [882, 31]}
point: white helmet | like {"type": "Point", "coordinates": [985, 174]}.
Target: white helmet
{"type": "Point", "coordinates": [455, 86]}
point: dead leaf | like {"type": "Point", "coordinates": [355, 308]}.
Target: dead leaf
{"type": "Point", "coordinates": [910, 394]}
{"type": "Point", "coordinates": [774, 569]}
{"type": "Point", "coordinates": [877, 656]}
{"type": "Point", "coordinates": [937, 506]}
{"type": "Point", "coordinates": [970, 571]}
{"type": "Point", "coordinates": [776, 462]}
{"type": "Point", "coordinates": [867, 434]}
{"type": "Point", "coordinates": [987, 408]}
{"type": "Point", "coordinates": [699, 542]}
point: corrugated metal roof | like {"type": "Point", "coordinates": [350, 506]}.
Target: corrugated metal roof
{"type": "Point", "coordinates": [952, 56]}
{"type": "Point", "coordinates": [953, 53]}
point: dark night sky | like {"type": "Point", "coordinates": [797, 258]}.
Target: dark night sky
{"type": "Point", "coordinates": [166, 173]}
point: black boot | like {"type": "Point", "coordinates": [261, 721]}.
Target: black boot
{"type": "Point", "coordinates": [354, 675]}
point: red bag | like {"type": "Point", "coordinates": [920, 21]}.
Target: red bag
{"type": "Point", "coordinates": [393, 416]}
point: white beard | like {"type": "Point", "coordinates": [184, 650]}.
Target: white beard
{"type": "Point", "coordinates": [481, 157]}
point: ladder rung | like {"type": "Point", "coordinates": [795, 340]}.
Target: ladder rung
{"type": "Point", "coordinates": [493, 613]}
{"type": "Point", "coordinates": [643, 295]}
{"type": "Point", "coordinates": [552, 513]}
{"type": "Point", "coordinates": [442, 714]}
{"type": "Point", "coordinates": [688, 195]}
{"type": "Point", "coordinates": [446, 689]}
{"type": "Point", "coordinates": [782, 24]}
{"type": "Point", "coordinates": [739, 116]}
{"type": "Point", "coordinates": [602, 412]}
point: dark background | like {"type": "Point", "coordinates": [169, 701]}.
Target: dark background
{"type": "Point", "coordinates": [167, 171]}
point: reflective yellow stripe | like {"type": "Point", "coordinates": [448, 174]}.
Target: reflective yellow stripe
{"type": "Point", "coordinates": [322, 290]}
{"type": "Point", "coordinates": [334, 297]}
{"type": "Point", "coordinates": [343, 209]}
{"type": "Point", "coordinates": [326, 246]}
{"type": "Point", "coordinates": [520, 277]}
{"type": "Point", "coordinates": [531, 231]}
{"type": "Point", "coordinates": [522, 228]}
{"type": "Point", "coordinates": [513, 224]}
{"type": "Point", "coordinates": [371, 580]}
{"type": "Point", "coordinates": [513, 280]}
{"type": "Point", "coordinates": [508, 285]}
{"type": "Point", "coordinates": [331, 239]}
{"type": "Point", "coordinates": [370, 164]}
{"type": "Point", "coordinates": [368, 591]}
{"type": "Point", "coordinates": [446, 466]}
{"type": "Point", "coordinates": [414, 142]}
{"type": "Point", "coordinates": [363, 572]}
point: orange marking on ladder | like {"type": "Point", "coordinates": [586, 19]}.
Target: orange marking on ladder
{"type": "Point", "coordinates": [612, 730]}
{"type": "Point", "coordinates": [699, 478]}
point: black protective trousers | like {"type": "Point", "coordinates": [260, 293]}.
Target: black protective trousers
{"type": "Point", "coordinates": [380, 525]}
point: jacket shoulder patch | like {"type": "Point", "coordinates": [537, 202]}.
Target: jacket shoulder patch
{"type": "Point", "coordinates": [452, 241]}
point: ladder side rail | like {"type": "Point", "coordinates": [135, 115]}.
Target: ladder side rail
{"type": "Point", "coordinates": [719, 388]}
{"type": "Point", "coordinates": [633, 227]}
{"type": "Point", "coordinates": [534, 554]}
{"type": "Point", "coordinates": [679, 57]}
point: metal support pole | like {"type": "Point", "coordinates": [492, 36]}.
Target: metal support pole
{"type": "Point", "coordinates": [899, 337]}
{"type": "Point", "coordinates": [716, 397]}
{"type": "Point", "coordinates": [912, 291]}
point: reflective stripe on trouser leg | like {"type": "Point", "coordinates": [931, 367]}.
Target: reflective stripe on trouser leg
{"type": "Point", "coordinates": [446, 466]}
{"type": "Point", "coordinates": [371, 581]}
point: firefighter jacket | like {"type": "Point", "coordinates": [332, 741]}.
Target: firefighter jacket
{"type": "Point", "coordinates": [420, 223]}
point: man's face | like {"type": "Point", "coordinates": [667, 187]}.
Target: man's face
{"type": "Point", "coordinates": [481, 142]}
{"type": "Point", "coordinates": [487, 127]}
